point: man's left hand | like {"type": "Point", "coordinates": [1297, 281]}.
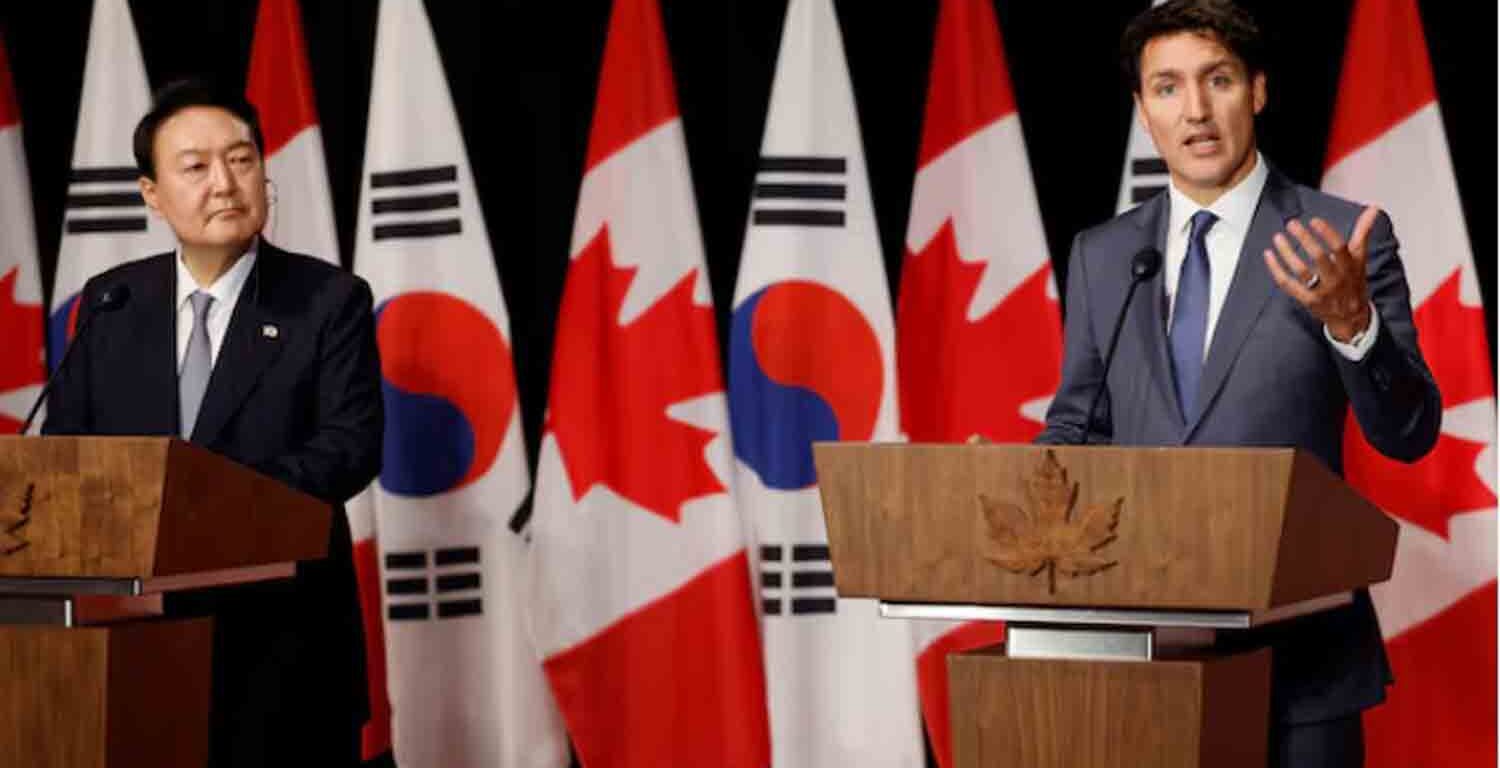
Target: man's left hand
{"type": "Point", "coordinates": [1331, 283]}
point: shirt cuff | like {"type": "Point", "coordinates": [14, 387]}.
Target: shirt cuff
{"type": "Point", "coordinates": [1356, 349]}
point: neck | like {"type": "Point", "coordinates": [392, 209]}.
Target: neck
{"type": "Point", "coordinates": [1206, 195]}
{"type": "Point", "coordinates": [208, 263]}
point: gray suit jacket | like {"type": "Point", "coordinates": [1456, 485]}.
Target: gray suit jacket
{"type": "Point", "coordinates": [1270, 379]}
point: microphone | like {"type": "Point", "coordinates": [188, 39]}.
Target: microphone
{"type": "Point", "coordinates": [112, 299]}
{"type": "Point", "coordinates": [1143, 266]}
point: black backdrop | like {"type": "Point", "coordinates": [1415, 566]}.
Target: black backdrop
{"type": "Point", "coordinates": [523, 76]}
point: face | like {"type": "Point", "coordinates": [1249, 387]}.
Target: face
{"type": "Point", "coordinates": [1199, 104]}
{"type": "Point", "coordinates": [210, 181]}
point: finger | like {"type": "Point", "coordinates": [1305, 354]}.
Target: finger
{"type": "Point", "coordinates": [1288, 284]}
{"type": "Point", "coordinates": [1337, 261]}
{"type": "Point", "coordinates": [1289, 255]}
{"type": "Point", "coordinates": [1360, 240]}
{"type": "Point", "coordinates": [1330, 236]}
{"type": "Point", "coordinates": [1311, 245]}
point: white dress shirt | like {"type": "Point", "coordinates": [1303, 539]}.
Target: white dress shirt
{"type": "Point", "coordinates": [226, 291]}
{"type": "Point", "coordinates": [1225, 240]}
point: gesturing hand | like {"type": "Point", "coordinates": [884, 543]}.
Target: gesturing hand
{"type": "Point", "coordinates": [1331, 283]}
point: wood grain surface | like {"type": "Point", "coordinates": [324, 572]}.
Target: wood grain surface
{"type": "Point", "coordinates": [121, 696]}
{"type": "Point", "coordinates": [1198, 528]}
{"type": "Point", "coordinates": [1191, 712]}
{"type": "Point", "coordinates": [121, 507]}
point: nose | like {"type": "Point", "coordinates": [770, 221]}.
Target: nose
{"type": "Point", "coordinates": [221, 179]}
{"type": "Point", "coordinates": [1197, 108]}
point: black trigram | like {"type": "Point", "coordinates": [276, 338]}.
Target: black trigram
{"type": "Point", "coordinates": [800, 192]}
{"type": "Point", "coordinates": [104, 201]}
{"type": "Point", "coordinates": [806, 582]}
{"type": "Point", "coordinates": [447, 588]}
{"type": "Point", "coordinates": [416, 202]}
{"type": "Point", "coordinates": [1148, 175]}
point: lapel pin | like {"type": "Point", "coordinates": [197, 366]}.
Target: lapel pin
{"type": "Point", "coordinates": [270, 331]}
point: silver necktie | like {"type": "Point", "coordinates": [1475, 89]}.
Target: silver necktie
{"type": "Point", "coordinates": [192, 380]}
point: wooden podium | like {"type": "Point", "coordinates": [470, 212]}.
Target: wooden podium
{"type": "Point", "coordinates": [1114, 569]}
{"type": "Point", "coordinates": [93, 532]}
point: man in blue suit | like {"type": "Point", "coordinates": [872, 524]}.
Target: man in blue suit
{"type": "Point", "coordinates": [1276, 309]}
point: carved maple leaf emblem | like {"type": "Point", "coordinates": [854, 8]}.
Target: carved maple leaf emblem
{"type": "Point", "coordinates": [12, 538]}
{"type": "Point", "coordinates": [1047, 534]}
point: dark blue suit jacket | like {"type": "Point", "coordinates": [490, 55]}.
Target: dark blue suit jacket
{"type": "Point", "coordinates": [303, 406]}
{"type": "Point", "coordinates": [1270, 379]}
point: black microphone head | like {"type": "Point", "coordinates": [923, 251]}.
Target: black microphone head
{"type": "Point", "coordinates": [113, 298]}
{"type": "Point", "coordinates": [1145, 264]}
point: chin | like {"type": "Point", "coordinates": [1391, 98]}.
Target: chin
{"type": "Point", "coordinates": [1206, 176]}
{"type": "Point", "coordinates": [221, 239]}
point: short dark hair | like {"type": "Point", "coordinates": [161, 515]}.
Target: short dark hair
{"type": "Point", "coordinates": [182, 94]}
{"type": "Point", "coordinates": [1228, 23]}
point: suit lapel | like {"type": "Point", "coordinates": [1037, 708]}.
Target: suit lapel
{"type": "Point", "coordinates": [1150, 317]}
{"type": "Point", "coordinates": [248, 349]}
{"type": "Point", "coordinates": [156, 319]}
{"type": "Point", "coordinates": [1248, 293]}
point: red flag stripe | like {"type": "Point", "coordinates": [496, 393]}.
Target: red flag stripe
{"type": "Point", "coordinates": [970, 85]}
{"type": "Point", "coordinates": [1385, 36]}
{"type": "Point", "coordinates": [677, 674]}
{"type": "Point", "coordinates": [635, 80]}
{"type": "Point", "coordinates": [1436, 678]}
{"type": "Point", "coordinates": [280, 86]}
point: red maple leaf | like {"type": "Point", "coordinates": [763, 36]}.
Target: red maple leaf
{"type": "Point", "coordinates": [612, 385]}
{"type": "Point", "coordinates": [21, 354]}
{"type": "Point", "coordinates": [962, 378]}
{"type": "Point", "coordinates": [1444, 483]}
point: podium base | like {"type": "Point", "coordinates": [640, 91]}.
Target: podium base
{"type": "Point", "coordinates": [133, 694]}
{"type": "Point", "coordinates": [1196, 710]}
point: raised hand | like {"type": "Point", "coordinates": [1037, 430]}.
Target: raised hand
{"type": "Point", "coordinates": [1331, 281]}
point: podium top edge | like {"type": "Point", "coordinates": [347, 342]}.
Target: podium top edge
{"type": "Point", "coordinates": [1112, 617]}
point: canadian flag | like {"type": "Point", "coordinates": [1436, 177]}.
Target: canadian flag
{"type": "Point", "coordinates": [641, 604]}
{"type": "Point", "coordinates": [812, 357]}
{"type": "Point", "coordinates": [105, 223]}
{"type": "Point", "coordinates": [22, 355]}
{"type": "Point", "coordinates": [1437, 612]}
{"type": "Point", "coordinates": [281, 89]}
{"type": "Point", "coordinates": [465, 687]}
{"type": "Point", "coordinates": [977, 279]}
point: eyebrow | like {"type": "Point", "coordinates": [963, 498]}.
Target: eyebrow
{"type": "Point", "coordinates": [232, 147]}
{"type": "Point", "coordinates": [1203, 70]}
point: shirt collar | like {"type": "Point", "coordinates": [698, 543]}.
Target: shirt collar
{"type": "Point", "coordinates": [1235, 207]}
{"type": "Point", "coordinates": [226, 288]}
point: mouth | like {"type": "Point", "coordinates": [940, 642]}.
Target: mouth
{"type": "Point", "coordinates": [227, 212]}
{"type": "Point", "coordinates": [1203, 143]}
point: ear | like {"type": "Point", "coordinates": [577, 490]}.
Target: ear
{"type": "Point", "coordinates": [148, 193]}
{"type": "Point", "coordinates": [1140, 112]}
{"type": "Point", "coordinates": [1258, 92]}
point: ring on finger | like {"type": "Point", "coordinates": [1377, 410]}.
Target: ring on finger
{"type": "Point", "coordinates": [1311, 283]}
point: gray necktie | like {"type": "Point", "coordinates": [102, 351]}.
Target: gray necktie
{"type": "Point", "coordinates": [192, 380]}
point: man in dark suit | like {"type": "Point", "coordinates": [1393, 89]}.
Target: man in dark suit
{"type": "Point", "coordinates": [268, 358]}
{"type": "Point", "coordinates": [1276, 310]}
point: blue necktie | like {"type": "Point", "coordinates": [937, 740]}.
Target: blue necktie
{"type": "Point", "coordinates": [1190, 315]}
